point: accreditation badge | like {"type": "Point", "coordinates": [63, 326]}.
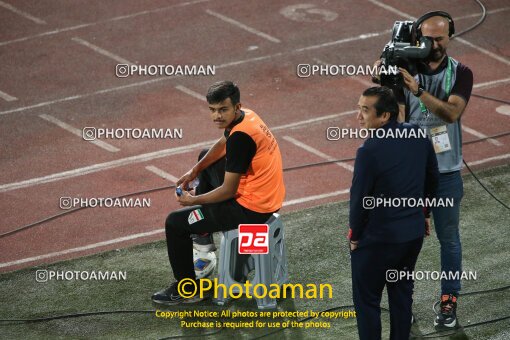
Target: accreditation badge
{"type": "Point", "coordinates": [440, 139]}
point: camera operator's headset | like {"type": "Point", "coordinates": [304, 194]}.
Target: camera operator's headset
{"type": "Point", "coordinates": [416, 29]}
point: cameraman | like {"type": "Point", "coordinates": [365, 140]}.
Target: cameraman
{"type": "Point", "coordinates": [434, 100]}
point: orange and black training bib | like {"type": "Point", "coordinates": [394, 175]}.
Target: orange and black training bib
{"type": "Point", "coordinates": [261, 188]}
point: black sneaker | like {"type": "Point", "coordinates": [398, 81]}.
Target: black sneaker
{"type": "Point", "coordinates": [170, 296]}
{"type": "Point", "coordinates": [203, 242]}
{"type": "Point", "coordinates": [447, 316]}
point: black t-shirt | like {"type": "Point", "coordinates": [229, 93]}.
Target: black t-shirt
{"type": "Point", "coordinates": [463, 82]}
{"type": "Point", "coordinates": [241, 149]}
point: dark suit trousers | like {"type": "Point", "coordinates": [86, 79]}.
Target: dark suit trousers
{"type": "Point", "coordinates": [369, 266]}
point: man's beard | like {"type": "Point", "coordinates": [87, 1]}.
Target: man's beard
{"type": "Point", "coordinates": [436, 54]}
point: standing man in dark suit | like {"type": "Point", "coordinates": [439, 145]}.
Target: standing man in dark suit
{"type": "Point", "coordinates": [387, 238]}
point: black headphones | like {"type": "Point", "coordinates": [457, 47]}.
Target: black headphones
{"type": "Point", "coordinates": [416, 30]}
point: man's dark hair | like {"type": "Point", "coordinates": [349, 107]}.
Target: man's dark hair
{"type": "Point", "coordinates": [222, 90]}
{"type": "Point", "coordinates": [386, 100]}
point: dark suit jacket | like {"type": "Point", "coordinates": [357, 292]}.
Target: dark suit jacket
{"type": "Point", "coordinates": [392, 168]}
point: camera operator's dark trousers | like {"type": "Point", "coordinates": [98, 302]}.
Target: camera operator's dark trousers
{"type": "Point", "coordinates": [199, 219]}
{"type": "Point", "coordinates": [371, 271]}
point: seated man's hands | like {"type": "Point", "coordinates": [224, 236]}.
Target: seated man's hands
{"type": "Point", "coordinates": [186, 199]}
{"type": "Point", "coordinates": [188, 177]}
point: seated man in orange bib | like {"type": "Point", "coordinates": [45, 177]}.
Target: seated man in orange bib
{"type": "Point", "coordinates": [240, 182]}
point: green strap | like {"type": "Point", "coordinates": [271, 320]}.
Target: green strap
{"type": "Point", "coordinates": [447, 85]}
{"type": "Point", "coordinates": [448, 82]}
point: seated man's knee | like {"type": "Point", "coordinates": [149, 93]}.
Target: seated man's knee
{"type": "Point", "coordinates": [172, 223]}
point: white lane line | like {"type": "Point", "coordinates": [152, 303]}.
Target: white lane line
{"type": "Point", "coordinates": [90, 94]}
{"type": "Point", "coordinates": [503, 109]}
{"type": "Point", "coordinates": [307, 122]}
{"type": "Point", "coordinates": [101, 51]}
{"type": "Point", "coordinates": [484, 51]}
{"type": "Point", "coordinates": [7, 97]}
{"type": "Point", "coordinates": [78, 132]}
{"type": "Point", "coordinates": [122, 17]}
{"type": "Point", "coordinates": [490, 159]}
{"type": "Point", "coordinates": [83, 248]}
{"type": "Point", "coordinates": [155, 80]}
{"type": "Point", "coordinates": [22, 13]}
{"type": "Point", "coordinates": [133, 15]}
{"type": "Point", "coordinates": [191, 93]}
{"type": "Point", "coordinates": [481, 135]}
{"type": "Point", "coordinates": [363, 36]}
{"type": "Point", "coordinates": [242, 26]}
{"type": "Point", "coordinates": [146, 234]}
{"type": "Point", "coordinates": [104, 166]}
{"type": "Point", "coordinates": [252, 60]}
{"type": "Point", "coordinates": [492, 83]}
{"type": "Point", "coordinates": [461, 40]}
{"type": "Point", "coordinates": [60, 30]}
{"type": "Point", "coordinates": [161, 173]}
{"type": "Point", "coordinates": [138, 158]}
{"type": "Point", "coordinates": [151, 233]}
{"type": "Point", "coordinates": [317, 152]}
{"type": "Point", "coordinates": [392, 9]}
{"type": "Point", "coordinates": [316, 197]}
{"type": "Point", "coordinates": [477, 15]}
